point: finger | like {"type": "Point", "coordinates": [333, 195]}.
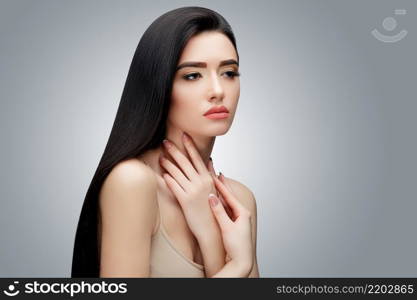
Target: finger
{"type": "Point", "coordinates": [175, 172]}
{"type": "Point", "coordinates": [193, 153]}
{"type": "Point", "coordinates": [210, 167]}
{"type": "Point", "coordinates": [174, 187]}
{"type": "Point", "coordinates": [229, 197]}
{"type": "Point", "coordinates": [226, 207]}
{"type": "Point", "coordinates": [181, 160]}
{"type": "Point", "coordinates": [220, 196]}
{"type": "Point", "coordinates": [223, 179]}
{"type": "Point", "coordinates": [219, 212]}
{"type": "Point", "coordinates": [213, 174]}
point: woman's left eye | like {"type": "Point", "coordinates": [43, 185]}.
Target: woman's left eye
{"type": "Point", "coordinates": [195, 76]}
{"type": "Point", "coordinates": [232, 74]}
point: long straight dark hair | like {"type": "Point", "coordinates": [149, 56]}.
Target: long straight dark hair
{"type": "Point", "coordinates": [140, 122]}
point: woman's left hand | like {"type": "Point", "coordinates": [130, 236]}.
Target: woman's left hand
{"type": "Point", "coordinates": [191, 184]}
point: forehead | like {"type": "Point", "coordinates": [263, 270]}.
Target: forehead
{"type": "Point", "coordinates": [208, 46]}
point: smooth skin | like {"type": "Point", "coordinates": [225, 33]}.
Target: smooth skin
{"type": "Point", "coordinates": [128, 209]}
{"type": "Point", "coordinates": [191, 184]}
{"type": "Point", "coordinates": [128, 224]}
{"type": "Point", "coordinates": [128, 198]}
{"type": "Point", "coordinates": [236, 233]}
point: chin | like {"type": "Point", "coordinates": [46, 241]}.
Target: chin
{"type": "Point", "coordinates": [219, 132]}
{"type": "Point", "coordinates": [210, 131]}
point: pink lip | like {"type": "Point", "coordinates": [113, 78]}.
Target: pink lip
{"type": "Point", "coordinates": [217, 109]}
{"type": "Point", "coordinates": [221, 115]}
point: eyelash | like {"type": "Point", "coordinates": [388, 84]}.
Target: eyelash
{"type": "Point", "coordinates": [232, 74]}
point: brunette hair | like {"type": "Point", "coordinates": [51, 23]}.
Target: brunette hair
{"type": "Point", "coordinates": [140, 122]}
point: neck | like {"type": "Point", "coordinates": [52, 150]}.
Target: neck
{"type": "Point", "coordinates": [203, 144]}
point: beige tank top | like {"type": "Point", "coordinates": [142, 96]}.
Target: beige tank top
{"type": "Point", "coordinates": [167, 261]}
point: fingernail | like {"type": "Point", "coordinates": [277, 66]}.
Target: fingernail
{"type": "Point", "coordinates": [185, 136]}
{"type": "Point", "coordinates": [167, 143]}
{"type": "Point", "coordinates": [213, 200]}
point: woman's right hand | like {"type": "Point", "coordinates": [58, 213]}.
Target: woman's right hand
{"type": "Point", "coordinates": [235, 231]}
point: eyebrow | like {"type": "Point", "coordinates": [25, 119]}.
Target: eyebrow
{"type": "Point", "coordinates": [199, 64]}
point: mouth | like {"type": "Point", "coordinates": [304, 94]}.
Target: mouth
{"type": "Point", "coordinates": [217, 112]}
{"type": "Point", "coordinates": [220, 115]}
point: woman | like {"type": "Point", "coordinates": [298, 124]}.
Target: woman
{"type": "Point", "coordinates": [147, 212]}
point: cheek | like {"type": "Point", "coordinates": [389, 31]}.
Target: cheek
{"type": "Point", "coordinates": [233, 96]}
{"type": "Point", "coordinates": [184, 105]}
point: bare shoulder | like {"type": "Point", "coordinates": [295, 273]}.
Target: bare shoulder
{"type": "Point", "coordinates": [130, 184]}
{"type": "Point", "coordinates": [132, 171]}
{"type": "Point", "coordinates": [128, 209]}
{"type": "Point", "coordinates": [243, 193]}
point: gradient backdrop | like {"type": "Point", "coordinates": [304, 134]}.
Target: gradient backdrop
{"type": "Point", "coordinates": [325, 132]}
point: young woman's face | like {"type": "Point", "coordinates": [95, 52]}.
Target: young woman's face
{"type": "Point", "coordinates": [207, 77]}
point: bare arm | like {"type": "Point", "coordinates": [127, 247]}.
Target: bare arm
{"type": "Point", "coordinates": [255, 270]}
{"type": "Point", "coordinates": [212, 249]}
{"type": "Point", "coordinates": [236, 232]}
{"type": "Point", "coordinates": [247, 198]}
{"type": "Point", "coordinates": [232, 270]}
{"type": "Point", "coordinates": [128, 210]}
{"type": "Point", "coordinates": [191, 183]}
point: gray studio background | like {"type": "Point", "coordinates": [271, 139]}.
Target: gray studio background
{"type": "Point", "coordinates": [324, 133]}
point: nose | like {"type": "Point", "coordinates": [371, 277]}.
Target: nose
{"type": "Point", "coordinates": [216, 90]}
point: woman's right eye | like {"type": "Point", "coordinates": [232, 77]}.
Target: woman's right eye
{"type": "Point", "coordinates": [191, 76]}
